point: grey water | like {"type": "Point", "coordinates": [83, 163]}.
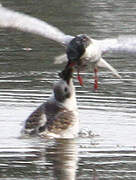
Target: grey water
{"type": "Point", "coordinates": [106, 146]}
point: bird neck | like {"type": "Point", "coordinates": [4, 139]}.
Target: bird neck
{"type": "Point", "coordinates": [71, 103]}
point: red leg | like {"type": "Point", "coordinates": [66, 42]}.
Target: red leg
{"type": "Point", "coordinates": [71, 64]}
{"type": "Point", "coordinates": [78, 75]}
{"type": "Point", "coordinates": [95, 78]}
{"type": "Point", "coordinates": [79, 78]}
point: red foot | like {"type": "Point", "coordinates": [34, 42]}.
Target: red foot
{"type": "Point", "coordinates": [80, 80]}
{"type": "Point", "coordinates": [95, 79]}
{"type": "Point", "coordinates": [78, 75]}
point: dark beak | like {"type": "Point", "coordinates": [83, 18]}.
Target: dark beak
{"type": "Point", "coordinates": [66, 74]}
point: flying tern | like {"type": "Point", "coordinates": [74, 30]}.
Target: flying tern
{"type": "Point", "coordinates": [81, 50]}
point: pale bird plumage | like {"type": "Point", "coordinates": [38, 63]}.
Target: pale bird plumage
{"type": "Point", "coordinates": [26, 23]}
{"type": "Point", "coordinates": [58, 116]}
{"type": "Point", "coordinates": [122, 44]}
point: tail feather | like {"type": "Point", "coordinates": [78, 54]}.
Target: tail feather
{"type": "Point", "coordinates": [104, 64]}
{"type": "Point", "coordinates": [61, 59]}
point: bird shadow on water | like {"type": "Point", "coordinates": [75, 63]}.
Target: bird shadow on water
{"type": "Point", "coordinates": [41, 159]}
{"type": "Point", "coordinates": [63, 157]}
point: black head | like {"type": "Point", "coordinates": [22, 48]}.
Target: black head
{"type": "Point", "coordinates": [76, 47]}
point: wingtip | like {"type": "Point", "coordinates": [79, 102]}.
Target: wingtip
{"type": "Point", "coordinates": [103, 63]}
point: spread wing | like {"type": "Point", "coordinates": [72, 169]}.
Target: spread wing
{"type": "Point", "coordinates": [121, 44]}
{"type": "Point", "coordinates": [26, 23]}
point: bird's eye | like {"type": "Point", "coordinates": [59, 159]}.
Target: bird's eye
{"type": "Point", "coordinates": [84, 38]}
{"type": "Point", "coordinates": [66, 89]}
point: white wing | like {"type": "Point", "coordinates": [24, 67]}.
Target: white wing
{"type": "Point", "coordinates": [61, 59]}
{"type": "Point", "coordinates": [9, 18]}
{"type": "Point", "coordinates": [122, 44]}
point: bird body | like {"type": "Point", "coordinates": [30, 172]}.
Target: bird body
{"type": "Point", "coordinates": [86, 52]}
{"type": "Point", "coordinates": [92, 52]}
{"type": "Point", "coordinates": [27, 23]}
{"type": "Point", "coordinates": [80, 49]}
{"type": "Point", "coordinates": [93, 55]}
{"type": "Point", "coordinates": [58, 117]}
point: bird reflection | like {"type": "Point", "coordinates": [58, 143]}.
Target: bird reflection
{"type": "Point", "coordinates": [63, 157]}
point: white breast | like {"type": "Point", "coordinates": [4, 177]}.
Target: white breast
{"type": "Point", "coordinates": [93, 52]}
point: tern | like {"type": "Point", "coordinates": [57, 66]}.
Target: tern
{"type": "Point", "coordinates": [58, 116]}
{"type": "Point", "coordinates": [81, 50]}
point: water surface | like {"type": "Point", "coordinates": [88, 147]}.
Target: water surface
{"type": "Point", "coordinates": [106, 147]}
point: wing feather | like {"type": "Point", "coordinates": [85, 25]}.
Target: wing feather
{"type": "Point", "coordinates": [26, 23]}
{"type": "Point", "coordinates": [122, 44]}
{"type": "Point", "coordinates": [35, 121]}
